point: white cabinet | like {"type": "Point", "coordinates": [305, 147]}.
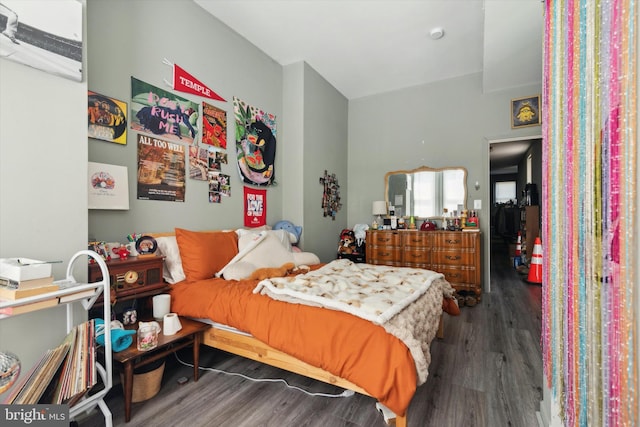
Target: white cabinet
{"type": "Point", "coordinates": [101, 287]}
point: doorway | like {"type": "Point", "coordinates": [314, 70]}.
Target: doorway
{"type": "Point", "coordinates": [514, 164]}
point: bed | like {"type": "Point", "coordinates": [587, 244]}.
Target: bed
{"type": "Point", "coordinates": [386, 360]}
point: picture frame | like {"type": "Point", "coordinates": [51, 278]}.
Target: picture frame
{"type": "Point", "coordinates": [108, 186]}
{"type": "Point", "coordinates": [107, 118]}
{"type": "Point", "coordinates": [525, 112]}
{"type": "Point", "coordinates": [46, 36]}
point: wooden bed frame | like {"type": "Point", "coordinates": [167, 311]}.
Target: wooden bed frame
{"type": "Point", "coordinates": [251, 348]}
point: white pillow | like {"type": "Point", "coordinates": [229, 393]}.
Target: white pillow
{"type": "Point", "coordinates": [282, 235]}
{"type": "Point", "coordinates": [270, 252]}
{"type": "Point", "coordinates": [256, 251]}
{"type": "Point", "coordinates": [238, 270]}
{"type": "Point", "coordinates": [172, 271]}
{"type": "Point", "coordinates": [305, 258]}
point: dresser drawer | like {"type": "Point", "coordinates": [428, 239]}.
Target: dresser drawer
{"type": "Point", "coordinates": [384, 255]}
{"type": "Point", "coordinates": [415, 257]}
{"type": "Point", "coordinates": [454, 240]}
{"type": "Point", "coordinates": [456, 274]}
{"type": "Point", "coordinates": [384, 238]}
{"type": "Point", "coordinates": [416, 239]}
{"type": "Point", "coordinates": [448, 257]}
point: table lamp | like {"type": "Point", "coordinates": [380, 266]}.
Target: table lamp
{"type": "Point", "coordinates": [379, 208]}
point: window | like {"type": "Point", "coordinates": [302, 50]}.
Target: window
{"type": "Point", "coordinates": [505, 191]}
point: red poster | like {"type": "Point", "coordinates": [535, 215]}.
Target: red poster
{"type": "Point", "coordinates": [255, 207]}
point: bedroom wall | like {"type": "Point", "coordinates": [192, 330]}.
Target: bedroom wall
{"type": "Point", "coordinates": [316, 124]}
{"type": "Point", "coordinates": [447, 123]}
{"type": "Point", "coordinates": [325, 148]}
{"type": "Point", "coordinates": [209, 51]}
{"type": "Point", "coordinates": [43, 198]}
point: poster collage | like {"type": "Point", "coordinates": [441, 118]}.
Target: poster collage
{"type": "Point", "coordinates": [173, 132]}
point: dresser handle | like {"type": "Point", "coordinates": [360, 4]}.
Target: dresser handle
{"type": "Point", "coordinates": [452, 275]}
{"type": "Point", "coordinates": [385, 254]}
{"type": "Point", "coordinates": [452, 257]}
{"type": "Point", "coordinates": [453, 242]}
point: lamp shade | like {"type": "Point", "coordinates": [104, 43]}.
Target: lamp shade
{"type": "Point", "coordinates": [379, 207]}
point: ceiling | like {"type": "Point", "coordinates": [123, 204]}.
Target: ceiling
{"type": "Point", "coordinates": [367, 47]}
{"type": "Point", "coordinates": [504, 157]}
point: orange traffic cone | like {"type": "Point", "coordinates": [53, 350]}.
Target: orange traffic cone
{"type": "Point", "coordinates": [535, 269]}
{"type": "Point", "coordinates": [517, 258]}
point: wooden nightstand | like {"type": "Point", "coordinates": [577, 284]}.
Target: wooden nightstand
{"type": "Point", "coordinates": [134, 277]}
{"type": "Point", "coordinates": [132, 358]}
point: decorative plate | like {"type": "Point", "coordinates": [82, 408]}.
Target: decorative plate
{"type": "Point", "coordinates": [146, 245]}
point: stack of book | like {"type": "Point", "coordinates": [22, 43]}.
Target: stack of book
{"type": "Point", "coordinates": [64, 374]}
{"type": "Point", "coordinates": [11, 290]}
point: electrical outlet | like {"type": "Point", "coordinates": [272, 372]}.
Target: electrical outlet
{"type": "Point", "coordinates": [477, 204]}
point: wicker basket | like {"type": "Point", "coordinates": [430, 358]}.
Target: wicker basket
{"type": "Point", "coordinates": [145, 385]}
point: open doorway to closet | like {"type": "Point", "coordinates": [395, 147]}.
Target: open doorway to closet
{"type": "Point", "coordinates": [515, 171]}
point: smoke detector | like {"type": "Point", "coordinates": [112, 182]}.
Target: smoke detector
{"type": "Point", "coordinates": [437, 33]}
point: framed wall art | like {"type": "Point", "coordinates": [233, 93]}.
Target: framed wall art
{"type": "Point", "coordinates": [107, 118]}
{"type": "Point", "coordinates": [44, 35]}
{"type": "Point", "coordinates": [525, 112]}
{"type": "Point", "coordinates": [108, 186]}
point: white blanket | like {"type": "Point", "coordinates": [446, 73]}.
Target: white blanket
{"type": "Point", "coordinates": [372, 292]}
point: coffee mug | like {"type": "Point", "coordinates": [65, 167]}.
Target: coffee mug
{"type": "Point", "coordinates": [171, 324]}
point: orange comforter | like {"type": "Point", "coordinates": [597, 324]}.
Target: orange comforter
{"type": "Point", "coordinates": [345, 345]}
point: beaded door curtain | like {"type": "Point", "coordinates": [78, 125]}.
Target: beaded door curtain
{"type": "Point", "coordinates": [589, 330]}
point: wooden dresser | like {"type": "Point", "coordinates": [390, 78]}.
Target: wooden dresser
{"type": "Point", "coordinates": [455, 254]}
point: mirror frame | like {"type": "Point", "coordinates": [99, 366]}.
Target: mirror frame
{"type": "Point", "coordinates": [424, 169]}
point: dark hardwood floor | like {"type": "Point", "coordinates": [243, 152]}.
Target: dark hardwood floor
{"type": "Point", "coordinates": [487, 371]}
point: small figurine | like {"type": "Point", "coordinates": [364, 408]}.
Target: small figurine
{"type": "Point", "coordinates": [122, 252]}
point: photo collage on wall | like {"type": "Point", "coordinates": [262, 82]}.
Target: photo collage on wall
{"type": "Point", "coordinates": [173, 131]}
{"type": "Point", "coordinates": [173, 124]}
{"type": "Point", "coordinates": [214, 136]}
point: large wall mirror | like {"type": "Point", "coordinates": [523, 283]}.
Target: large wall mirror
{"type": "Point", "coordinates": [425, 192]}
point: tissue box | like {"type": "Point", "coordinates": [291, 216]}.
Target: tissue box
{"type": "Point", "coordinates": [21, 271]}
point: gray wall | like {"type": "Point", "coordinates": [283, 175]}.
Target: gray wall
{"type": "Point", "coordinates": [215, 55]}
{"type": "Point", "coordinates": [325, 147]}
{"type": "Point", "coordinates": [43, 195]}
{"type": "Point", "coordinates": [448, 123]}
{"type": "Point", "coordinates": [312, 119]}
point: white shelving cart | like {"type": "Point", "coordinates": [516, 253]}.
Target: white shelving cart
{"type": "Point", "coordinates": [71, 286]}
